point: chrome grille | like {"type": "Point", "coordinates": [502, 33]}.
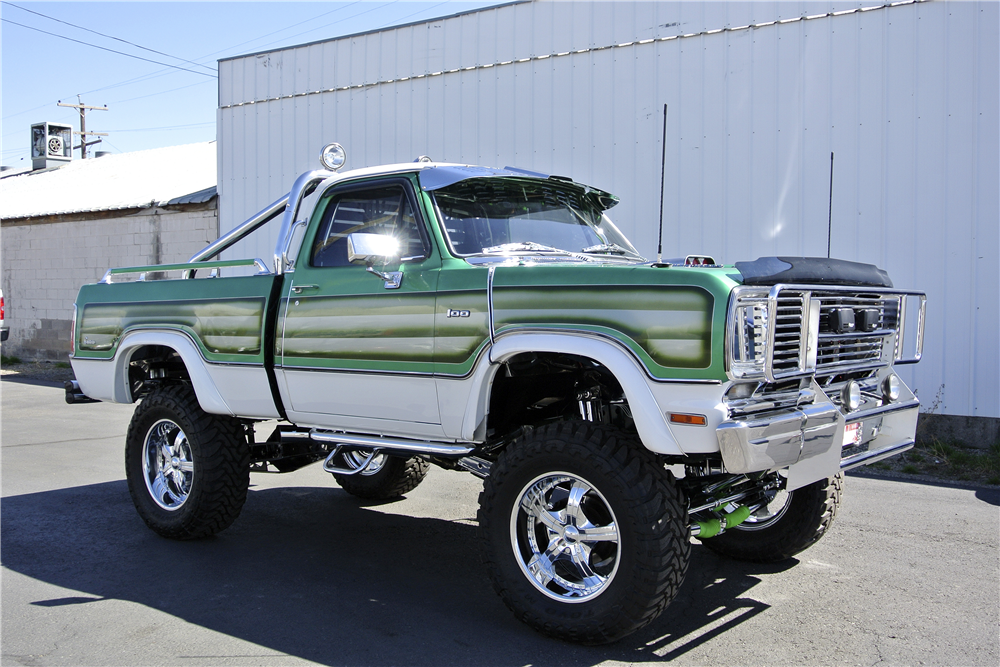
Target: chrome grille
{"type": "Point", "coordinates": [788, 329]}
{"type": "Point", "coordinates": [802, 320]}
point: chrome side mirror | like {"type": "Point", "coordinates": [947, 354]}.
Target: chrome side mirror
{"type": "Point", "coordinates": [375, 248]}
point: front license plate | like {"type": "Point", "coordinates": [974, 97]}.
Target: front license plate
{"type": "Point", "coordinates": [852, 435]}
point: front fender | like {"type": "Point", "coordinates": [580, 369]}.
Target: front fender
{"type": "Point", "coordinates": [107, 379]}
{"type": "Point", "coordinates": [649, 420]}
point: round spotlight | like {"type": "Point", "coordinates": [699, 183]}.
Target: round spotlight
{"type": "Point", "coordinates": [333, 156]}
{"type": "Point", "coordinates": [851, 396]}
{"type": "Point", "coordinates": [890, 387]}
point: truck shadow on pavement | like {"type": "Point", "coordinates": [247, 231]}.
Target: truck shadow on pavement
{"type": "Point", "coordinates": [312, 573]}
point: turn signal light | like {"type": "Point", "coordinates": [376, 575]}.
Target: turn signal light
{"type": "Point", "coordinates": [690, 420]}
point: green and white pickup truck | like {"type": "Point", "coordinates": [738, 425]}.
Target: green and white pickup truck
{"type": "Point", "coordinates": [496, 321]}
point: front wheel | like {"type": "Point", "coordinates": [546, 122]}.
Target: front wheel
{"type": "Point", "coordinates": [585, 534]}
{"type": "Point", "coordinates": [792, 522]}
{"type": "Point", "coordinates": [187, 471]}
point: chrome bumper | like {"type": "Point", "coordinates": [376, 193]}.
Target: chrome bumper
{"type": "Point", "coordinates": [783, 438]}
{"type": "Point", "coordinates": [780, 439]}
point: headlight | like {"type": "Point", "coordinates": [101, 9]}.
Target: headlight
{"type": "Point", "coordinates": [748, 338]}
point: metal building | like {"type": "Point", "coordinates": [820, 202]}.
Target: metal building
{"type": "Point", "coordinates": [905, 95]}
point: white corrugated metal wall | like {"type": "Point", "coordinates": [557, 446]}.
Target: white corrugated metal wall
{"type": "Point", "coordinates": [760, 94]}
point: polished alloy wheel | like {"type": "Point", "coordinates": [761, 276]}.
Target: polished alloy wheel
{"type": "Point", "coordinates": [167, 465]}
{"type": "Point", "coordinates": [565, 537]}
{"type": "Point", "coordinates": [356, 458]}
{"type": "Point", "coordinates": [768, 513]}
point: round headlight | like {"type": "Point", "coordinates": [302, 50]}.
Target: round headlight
{"type": "Point", "coordinates": [333, 156]}
{"type": "Point", "coordinates": [890, 387]}
{"type": "Point", "coordinates": [851, 396]}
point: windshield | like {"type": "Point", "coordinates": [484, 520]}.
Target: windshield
{"type": "Point", "coordinates": [485, 216]}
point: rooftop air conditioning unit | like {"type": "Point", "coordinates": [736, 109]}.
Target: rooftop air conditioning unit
{"type": "Point", "coordinates": [51, 145]}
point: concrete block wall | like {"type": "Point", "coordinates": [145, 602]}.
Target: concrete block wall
{"type": "Point", "coordinates": [45, 263]}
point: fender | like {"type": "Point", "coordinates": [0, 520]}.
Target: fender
{"type": "Point", "coordinates": [96, 376]}
{"type": "Point", "coordinates": [649, 421]}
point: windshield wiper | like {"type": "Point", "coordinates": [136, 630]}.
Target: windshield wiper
{"type": "Point", "coordinates": [531, 246]}
{"type": "Point", "coordinates": [611, 249]}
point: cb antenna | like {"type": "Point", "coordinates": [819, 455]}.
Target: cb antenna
{"type": "Point", "coordinates": [829, 215]}
{"type": "Point", "coordinates": [663, 176]}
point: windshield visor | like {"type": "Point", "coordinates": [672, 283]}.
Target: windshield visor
{"type": "Point", "coordinates": [481, 215]}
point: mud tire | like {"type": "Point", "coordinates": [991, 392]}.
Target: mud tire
{"type": "Point", "coordinates": [213, 447]}
{"type": "Point", "coordinates": [644, 567]}
{"type": "Point", "coordinates": [396, 477]}
{"type": "Point", "coordinates": [809, 513]}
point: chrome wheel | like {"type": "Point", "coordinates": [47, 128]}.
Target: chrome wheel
{"type": "Point", "coordinates": [356, 458]}
{"type": "Point", "coordinates": [769, 512]}
{"type": "Point", "coordinates": [565, 537]}
{"type": "Point", "coordinates": [167, 465]}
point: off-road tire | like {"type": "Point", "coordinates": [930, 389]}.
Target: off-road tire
{"type": "Point", "coordinates": [215, 449]}
{"type": "Point", "coordinates": [808, 516]}
{"type": "Point", "coordinates": [648, 561]}
{"type": "Point", "coordinates": [396, 477]}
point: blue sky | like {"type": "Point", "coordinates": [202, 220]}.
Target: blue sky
{"type": "Point", "coordinates": [149, 104]}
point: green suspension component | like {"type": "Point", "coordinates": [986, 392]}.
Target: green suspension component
{"type": "Point", "coordinates": [706, 529]}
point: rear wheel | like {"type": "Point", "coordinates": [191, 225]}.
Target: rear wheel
{"type": "Point", "coordinates": [585, 534]}
{"type": "Point", "coordinates": [792, 522]}
{"type": "Point", "coordinates": [386, 477]}
{"type": "Point", "coordinates": [187, 471]}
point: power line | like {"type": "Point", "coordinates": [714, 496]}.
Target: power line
{"type": "Point", "coordinates": [166, 127]}
{"type": "Point", "coordinates": [138, 46]}
{"type": "Point", "coordinates": [207, 55]}
{"type": "Point", "coordinates": [403, 18]}
{"type": "Point", "coordinates": [327, 25]}
{"type": "Point", "coordinates": [121, 53]}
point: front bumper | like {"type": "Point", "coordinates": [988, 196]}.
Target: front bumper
{"type": "Point", "coordinates": [780, 439]}
{"type": "Point", "coordinates": [811, 436]}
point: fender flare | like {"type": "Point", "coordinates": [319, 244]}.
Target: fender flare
{"type": "Point", "coordinates": [649, 421]}
{"type": "Point", "coordinates": [208, 394]}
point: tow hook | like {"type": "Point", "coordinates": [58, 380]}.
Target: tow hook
{"type": "Point", "coordinates": [732, 517]}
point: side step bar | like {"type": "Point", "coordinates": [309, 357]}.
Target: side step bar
{"type": "Point", "coordinates": [414, 447]}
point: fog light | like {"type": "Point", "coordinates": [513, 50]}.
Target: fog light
{"type": "Point", "coordinates": [850, 396]}
{"type": "Point", "coordinates": [890, 387]}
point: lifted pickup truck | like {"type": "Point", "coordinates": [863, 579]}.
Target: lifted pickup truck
{"type": "Point", "coordinates": [496, 321]}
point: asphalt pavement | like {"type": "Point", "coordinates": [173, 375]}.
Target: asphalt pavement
{"type": "Point", "coordinates": [909, 574]}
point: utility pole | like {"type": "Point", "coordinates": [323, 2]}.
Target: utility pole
{"type": "Point", "coordinates": [83, 126]}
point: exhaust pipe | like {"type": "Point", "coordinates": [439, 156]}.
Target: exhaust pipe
{"type": "Point", "coordinates": [75, 395]}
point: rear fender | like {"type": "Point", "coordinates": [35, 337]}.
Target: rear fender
{"type": "Point", "coordinates": [107, 380]}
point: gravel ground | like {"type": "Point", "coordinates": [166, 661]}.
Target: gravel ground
{"type": "Point", "coordinates": [46, 371]}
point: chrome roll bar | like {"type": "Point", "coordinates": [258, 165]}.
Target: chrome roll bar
{"type": "Point", "coordinates": [238, 233]}
{"type": "Point", "coordinates": [294, 200]}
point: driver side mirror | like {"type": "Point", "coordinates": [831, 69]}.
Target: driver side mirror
{"type": "Point", "coordinates": [372, 248]}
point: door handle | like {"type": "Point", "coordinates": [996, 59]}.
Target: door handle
{"type": "Point", "coordinates": [298, 289]}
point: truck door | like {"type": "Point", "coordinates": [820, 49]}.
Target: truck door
{"type": "Point", "coordinates": [355, 351]}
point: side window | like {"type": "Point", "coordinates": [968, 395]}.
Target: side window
{"type": "Point", "coordinates": [385, 210]}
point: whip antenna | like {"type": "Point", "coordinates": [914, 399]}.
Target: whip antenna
{"type": "Point", "coordinates": [663, 176]}
{"type": "Point", "coordinates": [829, 218]}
